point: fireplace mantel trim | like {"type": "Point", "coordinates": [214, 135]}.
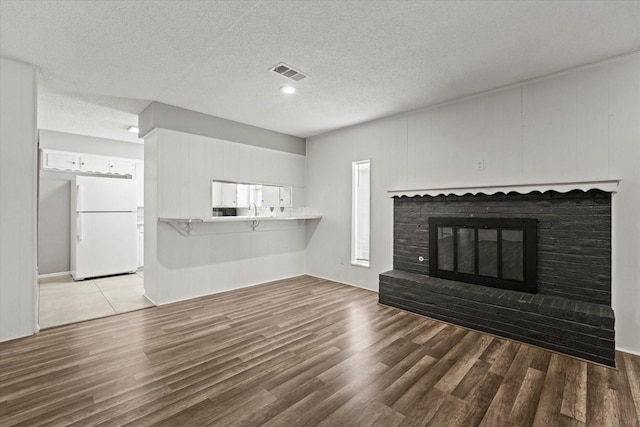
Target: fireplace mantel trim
{"type": "Point", "coordinates": [609, 185]}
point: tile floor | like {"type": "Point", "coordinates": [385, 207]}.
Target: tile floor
{"type": "Point", "coordinates": [62, 300]}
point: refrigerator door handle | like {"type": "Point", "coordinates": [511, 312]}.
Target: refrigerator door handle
{"type": "Point", "coordinates": [78, 197]}
{"type": "Point", "coordinates": [79, 233]}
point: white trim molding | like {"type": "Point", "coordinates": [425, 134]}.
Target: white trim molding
{"type": "Point", "coordinates": [608, 185]}
{"type": "Point", "coordinates": [48, 275]}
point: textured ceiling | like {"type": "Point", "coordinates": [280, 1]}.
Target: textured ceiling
{"type": "Point", "coordinates": [101, 62]}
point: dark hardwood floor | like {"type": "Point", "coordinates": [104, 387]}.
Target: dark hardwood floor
{"type": "Point", "coordinates": [300, 352]}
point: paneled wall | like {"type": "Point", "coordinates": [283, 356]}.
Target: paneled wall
{"type": "Point", "coordinates": [179, 168]}
{"type": "Point", "coordinates": [18, 197]}
{"type": "Point", "coordinates": [579, 125]}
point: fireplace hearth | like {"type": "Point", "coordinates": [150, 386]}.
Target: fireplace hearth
{"type": "Point", "coordinates": [543, 261]}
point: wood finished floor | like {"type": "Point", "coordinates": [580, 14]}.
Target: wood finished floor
{"type": "Point", "coordinates": [300, 352]}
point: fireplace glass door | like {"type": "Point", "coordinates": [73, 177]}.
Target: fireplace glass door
{"type": "Point", "coordinates": [499, 252]}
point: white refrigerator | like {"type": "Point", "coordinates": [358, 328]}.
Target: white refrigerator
{"type": "Point", "coordinates": [103, 226]}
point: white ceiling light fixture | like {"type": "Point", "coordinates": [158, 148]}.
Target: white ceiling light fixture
{"type": "Point", "coordinates": [289, 90]}
{"type": "Point", "coordinates": [133, 129]}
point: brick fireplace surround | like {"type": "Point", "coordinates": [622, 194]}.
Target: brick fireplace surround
{"type": "Point", "coordinates": [570, 313]}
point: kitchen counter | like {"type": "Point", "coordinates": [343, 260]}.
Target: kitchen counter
{"type": "Point", "coordinates": [240, 218]}
{"type": "Point", "coordinates": [254, 221]}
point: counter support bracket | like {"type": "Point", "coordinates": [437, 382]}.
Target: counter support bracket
{"type": "Point", "coordinates": [186, 230]}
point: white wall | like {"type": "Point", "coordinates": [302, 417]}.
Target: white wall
{"type": "Point", "coordinates": [53, 222]}
{"type": "Point", "coordinates": [179, 168]}
{"type": "Point", "coordinates": [54, 193]}
{"type": "Point", "coordinates": [18, 187]}
{"type": "Point", "coordinates": [163, 116]}
{"type": "Point", "coordinates": [329, 159]}
{"type": "Point", "coordinates": [151, 264]}
{"type": "Point", "coordinates": [579, 125]}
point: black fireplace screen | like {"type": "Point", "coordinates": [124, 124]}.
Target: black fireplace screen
{"type": "Point", "coordinates": [497, 252]}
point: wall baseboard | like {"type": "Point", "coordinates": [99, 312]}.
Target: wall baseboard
{"type": "Point", "coordinates": [341, 281]}
{"type": "Point", "coordinates": [626, 350]}
{"type": "Point", "coordinates": [62, 273]}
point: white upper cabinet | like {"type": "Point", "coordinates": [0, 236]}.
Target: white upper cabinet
{"type": "Point", "coordinates": [121, 167]}
{"type": "Point", "coordinates": [94, 164]}
{"type": "Point", "coordinates": [273, 196]}
{"type": "Point", "coordinates": [242, 195]}
{"type": "Point", "coordinates": [270, 196]}
{"type": "Point", "coordinates": [243, 199]}
{"type": "Point", "coordinates": [286, 198]}
{"type": "Point", "coordinates": [229, 196]}
{"type": "Point", "coordinates": [65, 161]}
{"type": "Point", "coordinates": [224, 194]}
{"type": "Point", "coordinates": [60, 160]}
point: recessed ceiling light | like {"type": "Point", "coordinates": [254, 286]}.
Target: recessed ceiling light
{"type": "Point", "coordinates": [134, 129]}
{"type": "Point", "coordinates": [288, 90]}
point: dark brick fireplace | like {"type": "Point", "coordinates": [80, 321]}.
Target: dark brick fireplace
{"type": "Point", "coordinates": [568, 310]}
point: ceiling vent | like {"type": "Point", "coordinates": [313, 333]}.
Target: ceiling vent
{"type": "Point", "coordinates": [289, 72]}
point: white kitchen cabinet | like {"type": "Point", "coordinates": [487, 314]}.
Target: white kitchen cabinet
{"type": "Point", "coordinates": [224, 194]}
{"type": "Point", "coordinates": [94, 164]}
{"type": "Point", "coordinates": [229, 195]}
{"type": "Point", "coordinates": [79, 162]}
{"type": "Point", "coordinates": [121, 167]}
{"type": "Point", "coordinates": [65, 161]}
{"type": "Point", "coordinates": [270, 196]}
{"type": "Point", "coordinates": [242, 195]}
{"type": "Point", "coordinates": [273, 196]}
{"type": "Point", "coordinates": [286, 199]}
